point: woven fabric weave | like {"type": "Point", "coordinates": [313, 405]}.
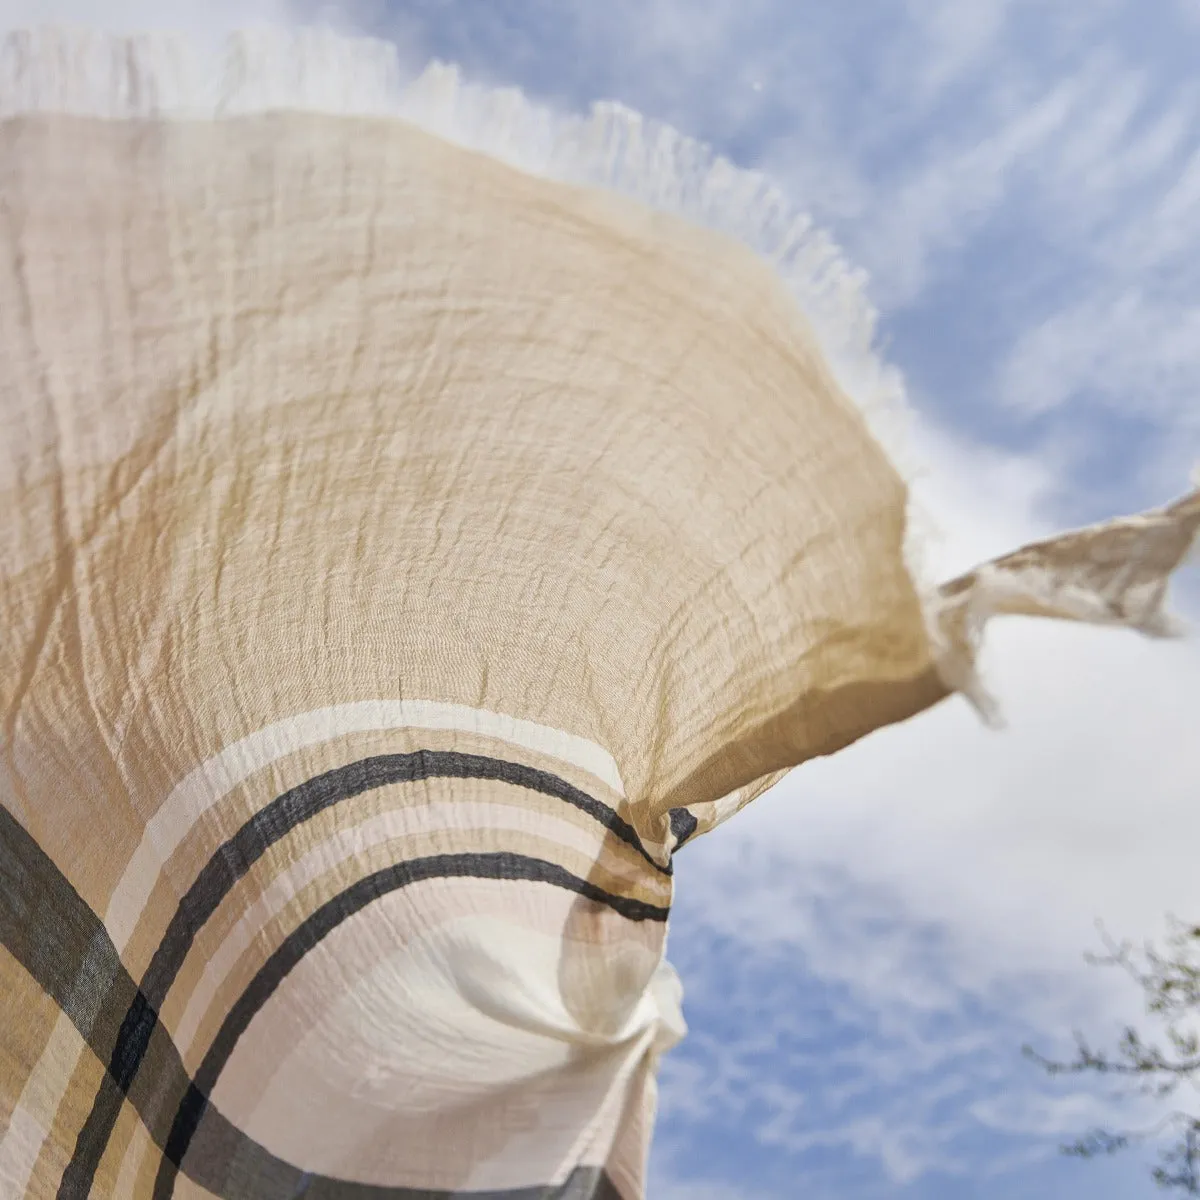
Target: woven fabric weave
{"type": "Point", "coordinates": [402, 554]}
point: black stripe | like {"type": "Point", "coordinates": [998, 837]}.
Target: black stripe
{"type": "Point", "coordinates": [56, 937]}
{"type": "Point", "coordinates": [235, 858]}
{"type": "Point", "coordinates": [683, 825]}
{"type": "Point", "coordinates": [318, 926]}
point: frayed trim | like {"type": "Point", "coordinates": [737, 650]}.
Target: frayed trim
{"type": "Point", "coordinates": [157, 76]}
{"type": "Point", "coordinates": [1114, 574]}
{"type": "Point", "coordinates": [1117, 573]}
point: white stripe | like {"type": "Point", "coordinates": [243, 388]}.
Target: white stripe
{"type": "Point", "coordinates": [194, 795]}
{"type": "Point", "coordinates": [612, 147]}
{"type": "Point", "coordinates": [345, 845]}
{"type": "Point", "coordinates": [131, 1160]}
{"type": "Point", "coordinates": [479, 1002]}
{"type": "Point", "coordinates": [33, 1114]}
{"type": "Point", "coordinates": [20, 1149]}
{"type": "Point", "coordinates": [205, 786]}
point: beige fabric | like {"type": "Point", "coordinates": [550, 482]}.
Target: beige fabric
{"type": "Point", "coordinates": [512, 527]}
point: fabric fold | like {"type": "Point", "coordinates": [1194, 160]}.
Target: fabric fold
{"type": "Point", "coordinates": [1113, 573]}
{"type": "Point", "coordinates": [421, 513]}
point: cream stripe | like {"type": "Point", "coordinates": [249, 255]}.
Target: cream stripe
{"type": "Point", "coordinates": [139, 1142]}
{"type": "Point", "coordinates": [458, 977]}
{"type": "Point", "coordinates": [216, 777]}
{"type": "Point", "coordinates": [22, 1145]}
{"type": "Point", "coordinates": [340, 848]}
{"type": "Point", "coordinates": [207, 784]}
{"type": "Point", "coordinates": [33, 1115]}
{"type": "Point", "coordinates": [596, 1140]}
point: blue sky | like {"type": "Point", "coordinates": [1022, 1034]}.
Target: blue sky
{"type": "Point", "coordinates": [865, 949]}
{"type": "Point", "coordinates": [1002, 168]}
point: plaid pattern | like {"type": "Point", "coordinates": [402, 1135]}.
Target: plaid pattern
{"type": "Point", "coordinates": [401, 557]}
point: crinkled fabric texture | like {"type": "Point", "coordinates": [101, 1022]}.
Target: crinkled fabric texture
{"type": "Point", "coordinates": [402, 557]}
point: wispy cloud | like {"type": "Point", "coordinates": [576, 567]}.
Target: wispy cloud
{"type": "Point", "coordinates": [1018, 178]}
{"type": "Point", "coordinates": [867, 947]}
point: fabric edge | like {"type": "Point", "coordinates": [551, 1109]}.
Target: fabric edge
{"type": "Point", "coordinates": [79, 72]}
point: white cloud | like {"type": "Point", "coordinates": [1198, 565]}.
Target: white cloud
{"type": "Point", "coordinates": [1050, 1116]}
{"type": "Point", "coordinates": [935, 209]}
{"type": "Point", "coordinates": [1028, 834]}
{"type": "Point", "coordinates": [1133, 353]}
{"type": "Point", "coordinates": [957, 36]}
{"type": "Point", "coordinates": [939, 882]}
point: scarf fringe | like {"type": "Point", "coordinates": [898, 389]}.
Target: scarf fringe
{"type": "Point", "coordinates": [167, 76]}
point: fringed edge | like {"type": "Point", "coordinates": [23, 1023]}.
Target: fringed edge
{"type": "Point", "coordinates": [611, 147]}
{"type": "Point", "coordinates": [1120, 570]}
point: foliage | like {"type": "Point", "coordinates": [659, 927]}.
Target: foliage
{"type": "Point", "coordinates": [1163, 1066]}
